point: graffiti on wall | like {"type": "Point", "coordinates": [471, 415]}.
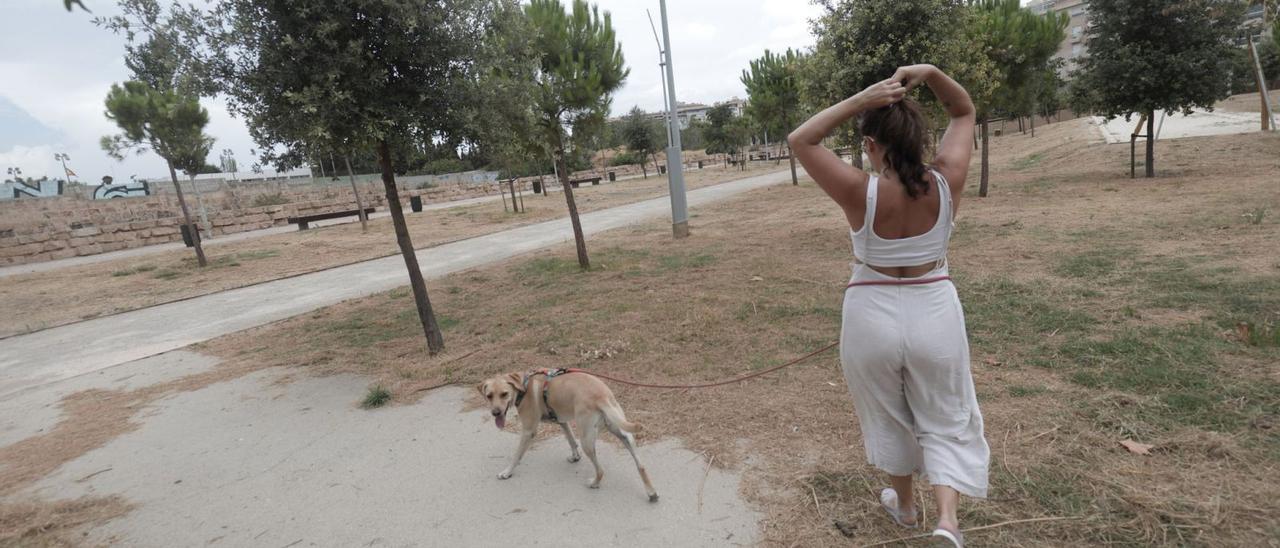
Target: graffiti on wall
{"type": "Point", "coordinates": [30, 188]}
{"type": "Point", "coordinates": [133, 189]}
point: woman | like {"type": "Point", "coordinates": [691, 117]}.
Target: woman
{"type": "Point", "coordinates": [903, 345]}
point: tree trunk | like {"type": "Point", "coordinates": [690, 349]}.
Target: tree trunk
{"type": "Point", "coordinates": [364, 218]}
{"type": "Point", "coordinates": [186, 216]}
{"type": "Point", "coordinates": [1151, 144]}
{"type": "Point", "coordinates": [1033, 124]}
{"type": "Point", "coordinates": [204, 213]}
{"type": "Point", "coordinates": [578, 238]}
{"type": "Point", "coordinates": [512, 185]}
{"type": "Point", "coordinates": [644, 168]}
{"type": "Point", "coordinates": [435, 341]}
{"type": "Point", "coordinates": [794, 180]}
{"type": "Point", "coordinates": [986, 163]}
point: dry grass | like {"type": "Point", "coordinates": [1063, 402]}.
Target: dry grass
{"type": "Point", "coordinates": [50, 525]}
{"type": "Point", "coordinates": [1247, 102]}
{"type": "Point", "coordinates": [48, 299]}
{"type": "Point", "coordinates": [1099, 308]}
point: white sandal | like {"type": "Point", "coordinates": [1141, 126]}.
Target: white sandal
{"type": "Point", "coordinates": [956, 539]}
{"type": "Point", "coordinates": [889, 501]}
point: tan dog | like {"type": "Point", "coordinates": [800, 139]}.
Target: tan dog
{"type": "Point", "coordinates": [579, 397]}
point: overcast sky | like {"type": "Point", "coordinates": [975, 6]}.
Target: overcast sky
{"type": "Point", "coordinates": [56, 68]}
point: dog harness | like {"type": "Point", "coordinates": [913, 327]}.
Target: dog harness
{"type": "Point", "coordinates": [546, 387]}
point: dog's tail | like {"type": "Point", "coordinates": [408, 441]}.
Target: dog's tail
{"type": "Point", "coordinates": [613, 415]}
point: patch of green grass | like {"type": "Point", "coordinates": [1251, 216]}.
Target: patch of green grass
{"type": "Point", "coordinates": [1039, 185]}
{"type": "Point", "coordinates": [376, 397]}
{"type": "Point", "coordinates": [1094, 263]}
{"type": "Point", "coordinates": [257, 254]}
{"type": "Point", "coordinates": [1179, 367]}
{"type": "Point", "coordinates": [767, 312]}
{"type": "Point", "coordinates": [1261, 333]}
{"type": "Point", "coordinates": [679, 262]}
{"type": "Point", "coordinates": [167, 274]}
{"type": "Point", "coordinates": [1256, 216]}
{"type": "Point", "coordinates": [1028, 162]}
{"type": "Point", "coordinates": [1001, 312]}
{"type": "Point", "coordinates": [1019, 391]}
{"type": "Point", "coordinates": [359, 332]}
{"type": "Point", "coordinates": [133, 270]}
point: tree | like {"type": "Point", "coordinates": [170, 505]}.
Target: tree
{"type": "Point", "coordinates": [720, 134]}
{"type": "Point", "coordinates": [773, 88]}
{"type": "Point", "coordinates": [642, 136]}
{"type": "Point", "coordinates": [579, 65]}
{"type": "Point", "coordinates": [861, 42]}
{"type": "Point", "coordinates": [1156, 55]}
{"type": "Point", "coordinates": [1019, 44]}
{"type": "Point", "coordinates": [694, 136]}
{"type": "Point", "coordinates": [169, 123]}
{"type": "Point", "coordinates": [351, 75]}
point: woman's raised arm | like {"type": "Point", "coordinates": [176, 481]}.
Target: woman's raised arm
{"type": "Point", "coordinates": [842, 182]}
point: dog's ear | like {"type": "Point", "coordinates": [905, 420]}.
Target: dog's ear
{"type": "Point", "coordinates": [516, 380]}
{"type": "Point", "coordinates": [480, 387]}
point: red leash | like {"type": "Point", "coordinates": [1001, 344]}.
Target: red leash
{"type": "Point", "coordinates": [708, 385]}
{"type": "Point", "coordinates": [901, 281]}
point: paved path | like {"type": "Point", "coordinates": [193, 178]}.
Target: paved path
{"type": "Point", "coordinates": [1199, 123]}
{"type": "Point", "coordinates": [47, 266]}
{"type": "Point", "coordinates": [76, 349]}
{"type": "Point", "coordinates": [259, 462]}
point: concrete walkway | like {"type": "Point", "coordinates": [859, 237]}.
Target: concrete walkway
{"type": "Point", "coordinates": [76, 349]}
{"type": "Point", "coordinates": [258, 462]}
{"type": "Point", "coordinates": [1199, 123]}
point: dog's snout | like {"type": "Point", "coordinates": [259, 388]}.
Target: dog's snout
{"type": "Point", "coordinates": [496, 412]}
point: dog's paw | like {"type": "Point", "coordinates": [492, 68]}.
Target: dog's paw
{"type": "Point", "coordinates": [593, 485]}
{"type": "Point", "coordinates": [575, 457]}
{"type": "Point", "coordinates": [653, 497]}
{"type": "Point", "coordinates": [505, 474]}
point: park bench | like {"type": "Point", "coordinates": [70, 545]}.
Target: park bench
{"type": "Point", "coordinates": [303, 221]}
{"type": "Point", "coordinates": [592, 180]}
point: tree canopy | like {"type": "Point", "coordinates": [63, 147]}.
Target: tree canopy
{"type": "Point", "coordinates": [642, 135]}
{"type": "Point", "coordinates": [579, 64]}
{"type": "Point", "coordinates": [1019, 44]}
{"type": "Point", "coordinates": [1156, 55]}
{"type": "Point", "coordinates": [773, 90]}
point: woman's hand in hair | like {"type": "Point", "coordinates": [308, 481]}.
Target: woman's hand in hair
{"type": "Point", "coordinates": [881, 94]}
{"type": "Point", "coordinates": [911, 76]}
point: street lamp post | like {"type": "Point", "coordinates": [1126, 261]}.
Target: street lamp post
{"type": "Point", "coordinates": [675, 168]}
{"type": "Point", "coordinates": [62, 157]}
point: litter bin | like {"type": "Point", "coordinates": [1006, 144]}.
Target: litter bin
{"type": "Point", "coordinates": [186, 235]}
{"type": "Point", "coordinates": [415, 203]}
{"type": "Point", "coordinates": [699, 164]}
{"type": "Point", "coordinates": [662, 170]}
{"type": "Point", "coordinates": [537, 187]}
{"type": "Point", "coordinates": [613, 176]}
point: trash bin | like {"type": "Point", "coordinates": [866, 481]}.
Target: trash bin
{"type": "Point", "coordinates": [662, 170]}
{"type": "Point", "coordinates": [415, 203]}
{"type": "Point", "coordinates": [613, 176]}
{"type": "Point", "coordinates": [537, 187]}
{"type": "Point", "coordinates": [186, 235]}
{"type": "Point", "coordinates": [699, 164]}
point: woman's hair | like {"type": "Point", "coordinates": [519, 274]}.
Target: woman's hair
{"type": "Point", "coordinates": [900, 128]}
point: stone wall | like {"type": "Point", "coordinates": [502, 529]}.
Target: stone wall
{"type": "Point", "coordinates": [44, 229]}
{"type": "Point", "coordinates": [56, 228]}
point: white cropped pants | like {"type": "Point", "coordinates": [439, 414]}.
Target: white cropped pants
{"type": "Point", "coordinates": [905, 355]}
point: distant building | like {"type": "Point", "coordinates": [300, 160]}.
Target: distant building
{"type": "Point", "coordinates": [1075, 46]}
{"type": "Point", "coordinates": [688, 112]}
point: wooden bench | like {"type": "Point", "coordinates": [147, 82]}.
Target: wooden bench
{"type": "Point", "coordinates": [304, 221]}
{"type": "Point", "coordinates": [592, 180]}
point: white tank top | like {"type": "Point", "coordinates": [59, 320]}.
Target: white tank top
{"type": "Point", "coordinates": [871, 249]}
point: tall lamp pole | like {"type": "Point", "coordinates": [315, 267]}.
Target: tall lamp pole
{"type": "Point", "coordinates": [675, 168]}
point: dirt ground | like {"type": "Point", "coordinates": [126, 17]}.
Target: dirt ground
{"type": "Point", "coordinates": [1101, 310]}
{"type": "Point", "coordinates": [1248, 102]}
{"type": "Point", "coordinates": [39, 301]}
